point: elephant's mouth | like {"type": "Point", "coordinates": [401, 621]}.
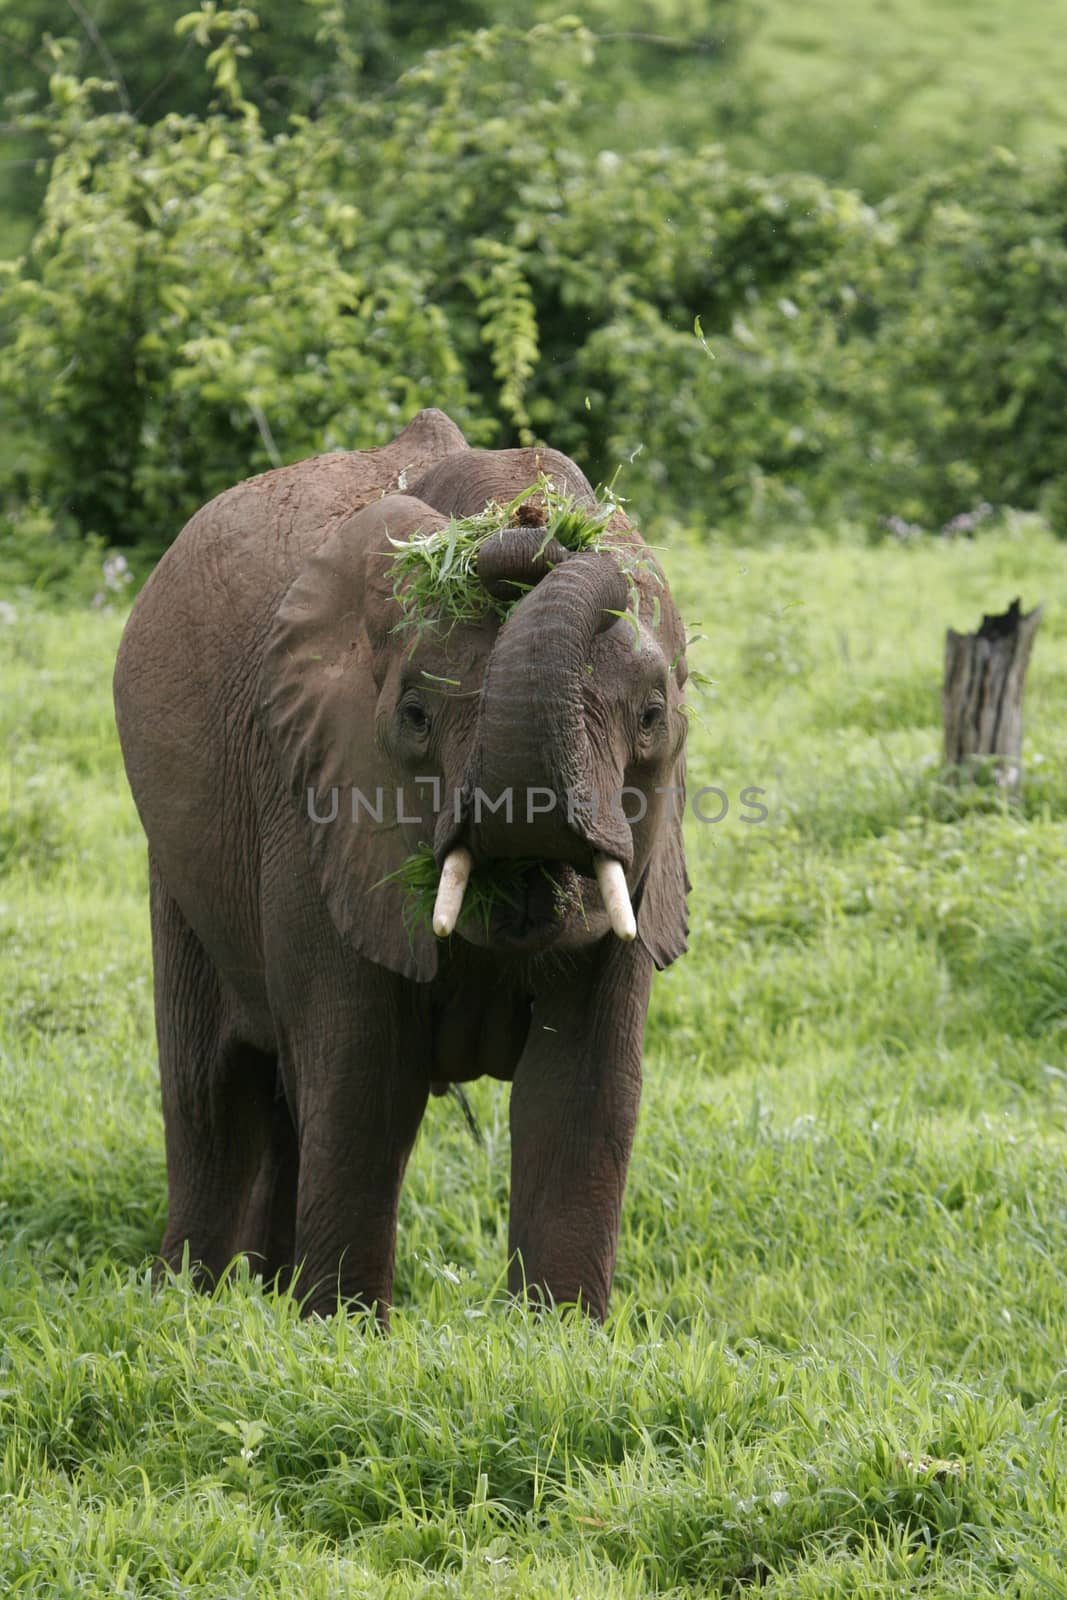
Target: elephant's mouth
{"type": "Point", "coordinates": [540, 901]}
{"type": "Point", "coordinates": [530, 905]}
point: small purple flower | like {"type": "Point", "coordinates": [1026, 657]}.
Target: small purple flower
{"type": "Point", "coordinates": [117, 572]}
{"type": "Point", "coordinates": [968, 521]}
{"type": "Point", "coordinates": [902, 530]}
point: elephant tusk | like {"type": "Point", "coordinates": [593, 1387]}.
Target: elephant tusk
{"type": "Point", "coordinates": [616, 896]}
{"type": "Point", "coordinates": [450, 891]}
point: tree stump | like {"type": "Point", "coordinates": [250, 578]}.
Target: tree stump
{"type": "Point", "coordinates": [983, 695]}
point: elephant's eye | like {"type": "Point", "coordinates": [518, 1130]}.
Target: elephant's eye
{"type": "Point", "coordinates": [414, 718]}
{"type": "Point", "coordinates": [653, 716]}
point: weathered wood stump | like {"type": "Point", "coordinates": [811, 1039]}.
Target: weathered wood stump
{"type": "Point", "coordinates": [983, 695]}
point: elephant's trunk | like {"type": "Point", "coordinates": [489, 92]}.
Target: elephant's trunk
{"type": "Point", "coordinates": [532, 786]}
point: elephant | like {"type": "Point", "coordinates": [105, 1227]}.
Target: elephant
{"type": "Point", "coordinates": [302, 1017]}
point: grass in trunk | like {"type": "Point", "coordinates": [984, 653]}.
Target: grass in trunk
{"type": "Point", "coordinates": [436, 574]}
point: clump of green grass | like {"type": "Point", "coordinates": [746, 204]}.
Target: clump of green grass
{"type": "Point", "coordinates": [436, 574]}
{"type": "Point", "coordinates": [491, 884]}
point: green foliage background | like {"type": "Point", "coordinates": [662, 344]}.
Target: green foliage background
{"type": "Point", "coordinates": [308, 229]}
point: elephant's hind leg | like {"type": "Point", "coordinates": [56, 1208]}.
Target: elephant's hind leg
{"type": "Point", "coordinates": [271, 1216]}
{"type": "Point", "coordinates": [218, 1099]}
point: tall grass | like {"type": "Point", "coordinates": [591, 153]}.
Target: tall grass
{"type": "Point", "coordinates": [835, 1359]}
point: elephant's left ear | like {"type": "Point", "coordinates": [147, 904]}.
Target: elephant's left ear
{"type": "Point", "coordinates": [662, 905]}
{"type": "Point", "coordinates": [318, 697]}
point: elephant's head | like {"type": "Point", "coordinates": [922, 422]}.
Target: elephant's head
{"type": "Point", "coordinates": [553, 741]}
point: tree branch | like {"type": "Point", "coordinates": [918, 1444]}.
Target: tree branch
{"type": "Point", "coordinates": [93, 33]}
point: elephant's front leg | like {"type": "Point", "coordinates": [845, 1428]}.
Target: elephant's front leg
{"type": "Point", "coordinates": [574, 1107]}
{"type": "Point", "coordinates": [356, 1069]}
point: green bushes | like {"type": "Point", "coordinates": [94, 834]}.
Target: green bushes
{"type": "Point", "coordinates": [889, 367]}
{"type": "Point", "coordinates": [194, 308]}
{"type": "Point", "coordinates": [982, 328]}
{"type": "Point", "coordinates": [934, 352]}
{"type": "Point", "coordinates": [204, 299]}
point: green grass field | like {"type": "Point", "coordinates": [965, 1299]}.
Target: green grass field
{"type": "Point", "coordinates": [904, 87]}
{"type": "Point", "coordinates": [837, 1360]}
{"type": "Point", "coordinates": [867, 93]}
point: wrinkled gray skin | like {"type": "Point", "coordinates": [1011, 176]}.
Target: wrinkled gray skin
{"type": "Point", "coordinates": [301, 1026]}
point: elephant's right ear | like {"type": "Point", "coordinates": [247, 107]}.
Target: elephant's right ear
{"type": "Point", "coordinates": [318, 697]}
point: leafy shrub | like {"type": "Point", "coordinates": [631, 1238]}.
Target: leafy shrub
{"type": "Point", "coordinates": [193, 308]}
{"type": "Point", "coordinates": [307, 52]}
{"type": "Point", "coordinates": [642, 247]}
{"type": "Point", "coordinates": [295, 67]}
{"type": "Point", "coordinates": [40, 551]}
{"type": "Point", "coordinates": [910, 377]}
{"type": "Point", "coordinates": [204, 299]}
{"type": "Point", "coordinates": [978, 332]}
{"type": "Point", "coordinates": [933, 351]}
